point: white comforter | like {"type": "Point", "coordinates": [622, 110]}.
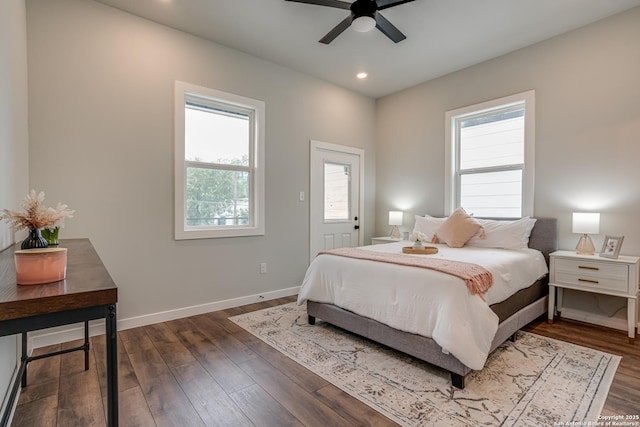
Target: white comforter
{"type": "Point", "coordinates": [422, 301]}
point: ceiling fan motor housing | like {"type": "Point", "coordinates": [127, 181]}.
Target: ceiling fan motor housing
{"type": "Point", "coordinates": [363, 8]}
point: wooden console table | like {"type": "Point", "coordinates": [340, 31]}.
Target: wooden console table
{"type": "Point", "coordinates": [87, 293]}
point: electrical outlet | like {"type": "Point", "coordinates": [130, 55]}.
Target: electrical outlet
{"type": "Point", "coordinates": [301, 196]}
{"type": "Point", "coordinates": [263, 268]}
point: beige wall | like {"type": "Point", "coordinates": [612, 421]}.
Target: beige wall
{"type": "Point", "coordinates": [14, 167]}
{"type": "Point", "coordinates": [14, 142]}
{"type": "Point", "coordinates": [101, 140]}
{"type": "Point", "coordinates": [587, 129]}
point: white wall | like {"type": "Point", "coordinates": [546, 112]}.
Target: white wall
{"type": "Point", "coordinates": [101, 140]}
{"type": "Point", "coordinates": [14, 167]}
{"type": "Point", "coordinates": [587, 129]}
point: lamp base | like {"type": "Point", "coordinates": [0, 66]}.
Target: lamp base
{"type": "Point", "coordinates": [585, 246]}
{"type": "Point", "coordinates": [395, 232]}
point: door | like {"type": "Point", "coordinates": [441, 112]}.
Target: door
{"type": "Point", "coordinates": [335, 197]}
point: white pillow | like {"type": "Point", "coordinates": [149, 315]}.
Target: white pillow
{"type": "Point", "coordinates": [428, 225]}
{"type": "Point", "coordinates": [503, 234]}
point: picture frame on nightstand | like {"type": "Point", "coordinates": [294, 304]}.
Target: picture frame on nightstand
{"type": "Point", "coordinates": [611, 246]}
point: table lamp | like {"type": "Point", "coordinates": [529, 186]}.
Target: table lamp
{"type": "Point", "coordinates": [395, 219]}
{"type": "Point", "coordinates": [585, 224]}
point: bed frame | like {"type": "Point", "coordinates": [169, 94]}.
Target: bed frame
{"type": "Point", "coordinates": [543, 238]}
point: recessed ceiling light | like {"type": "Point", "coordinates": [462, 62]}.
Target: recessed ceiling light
{"type": "Point", "coordinates": [362, 75]}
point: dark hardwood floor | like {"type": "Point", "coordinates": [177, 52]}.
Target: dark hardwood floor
{"type": "Point", "coordinates": [206, 371]}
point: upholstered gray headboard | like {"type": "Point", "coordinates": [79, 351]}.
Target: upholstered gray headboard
{"type": "Point", "coordinates": [544, 236]}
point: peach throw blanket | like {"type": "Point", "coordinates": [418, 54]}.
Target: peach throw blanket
{"type": "Point", "coordinates": [477, 278]}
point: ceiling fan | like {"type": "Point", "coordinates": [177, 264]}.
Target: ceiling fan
{"type": "Point", "coordinates": [364, 17]}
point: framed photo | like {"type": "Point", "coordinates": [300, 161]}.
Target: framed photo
{"type": "Point", "coordinates": [611, 246]}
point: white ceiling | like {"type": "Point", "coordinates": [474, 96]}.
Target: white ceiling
{"type": "Point", "coordinates": [442, 35]}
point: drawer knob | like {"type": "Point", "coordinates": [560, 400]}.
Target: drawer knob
{"type": "Point", "coordinates": [588, 281]}
{"type": "Point", "coordinates": [588, 268]}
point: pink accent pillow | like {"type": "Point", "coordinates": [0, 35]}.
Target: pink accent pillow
{"type": "Point", "coordinates": [458, 229]}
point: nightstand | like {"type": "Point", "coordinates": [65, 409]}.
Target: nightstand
{"type": "Point", "coordinates": [380, 240]}
{"type": "Point", "coordinates": [593, 273]}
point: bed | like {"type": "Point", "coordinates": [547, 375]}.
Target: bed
{"type": "Point", "coordinates": [512, 311]}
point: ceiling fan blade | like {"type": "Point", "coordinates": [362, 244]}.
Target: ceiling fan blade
{"type": "Point", "coordinates": [329, 3]}
{"type": "Point", "coordinates": [388, 29]}
{"type": "Point", "coordinates": [337, 30]}
{"type": "Point", "coordinates": [385, 4]}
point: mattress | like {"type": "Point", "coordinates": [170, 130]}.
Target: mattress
{"type": "Point", "coordinates": [520, 299]}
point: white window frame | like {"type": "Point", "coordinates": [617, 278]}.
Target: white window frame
{"type": "Point", "coordinates": [452, 176]}
{"type": "Point", "coordinates": [256, 226]}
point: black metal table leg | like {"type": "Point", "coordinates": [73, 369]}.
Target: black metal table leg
{"type": "Point", "coordinates": [86, 345]}
{"type": "Point", "coordinates": [24, 358]}
{"type": "Point", "coordinates": [112, 366]}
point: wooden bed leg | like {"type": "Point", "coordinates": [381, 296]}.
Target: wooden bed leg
{"type": "Point", "coordinates": [312, 320]}
{"type": "Point", "coordinates": [513, 337]}
{"type": "Point", "coordinates": [457, 380]}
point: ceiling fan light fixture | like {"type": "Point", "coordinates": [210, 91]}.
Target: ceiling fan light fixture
{"type": "Point", "coordinates": [363, 16]}
{"type": "Point", "coordinates": [362, 24]}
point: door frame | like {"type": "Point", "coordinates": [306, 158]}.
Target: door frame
{"type": "Point", "coordinates": [314, 146]}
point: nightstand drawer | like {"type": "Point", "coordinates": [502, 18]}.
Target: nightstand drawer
{"type": "Point", "coordinates": [592, 274]}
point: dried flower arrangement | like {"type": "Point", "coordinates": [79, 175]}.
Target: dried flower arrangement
{"type": "Point", "coordinates": [35, 215]}
{"type": "Point", "coordinates": [419, 239]}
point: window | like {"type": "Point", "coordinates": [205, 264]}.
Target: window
{"type": "Point", "coordinates": [490, 157]}
{"type": "Point", "coordinates": [337, 186]}
{"type": "Point", "coordinates": [219, 164]}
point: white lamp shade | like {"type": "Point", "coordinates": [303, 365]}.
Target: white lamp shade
{"type": "Point", "coordinates": [363, 24]}
{"type": "Point", "coordinates": [395, 217]}
{"type": "Point", "coordinates": [586, 223]}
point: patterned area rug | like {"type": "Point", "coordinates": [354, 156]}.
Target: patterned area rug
{"type": "Point", "coordinates": [535, 381]}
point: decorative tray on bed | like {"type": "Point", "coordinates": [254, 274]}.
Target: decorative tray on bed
{"type": "Point", "coordinates": [425, 251]}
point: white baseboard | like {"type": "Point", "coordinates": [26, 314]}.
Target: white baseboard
{"type": "Point", "coordinates": [96, 327]}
